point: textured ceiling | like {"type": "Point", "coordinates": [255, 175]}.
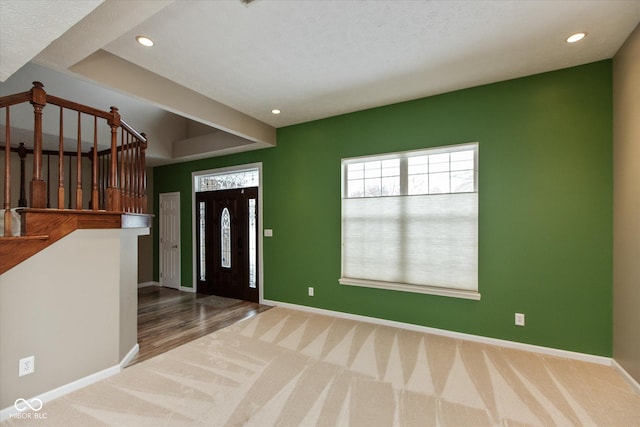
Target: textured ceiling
{"type": "Point", "coordinates": [27, 27]}
{"type": "Point", "coordinates": [310, 59]}
{"type": "Point", "coordinates": [314, 59]}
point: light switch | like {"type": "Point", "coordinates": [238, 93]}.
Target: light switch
{"type": "Point", "coordinates": [268, 232]}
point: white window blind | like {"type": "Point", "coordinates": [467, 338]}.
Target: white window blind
{"type": "Point", "coordinates": [418, 233]}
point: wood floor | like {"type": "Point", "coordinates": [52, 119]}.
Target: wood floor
{"type": "Point", "coordinates": [168, 318]}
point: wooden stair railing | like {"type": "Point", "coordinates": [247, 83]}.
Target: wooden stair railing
{"type": "Point", "coordinates": [46, 226]}
{"type": "Point", "coordinates": [118, 178]}
{"type": "Point", "coordinates": [117, 187]}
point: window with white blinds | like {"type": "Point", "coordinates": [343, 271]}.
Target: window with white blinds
{"type": "Point", "coordinates": [410, 221]}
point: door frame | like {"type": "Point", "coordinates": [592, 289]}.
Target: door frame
{"type": "Point", "coordinates": [160, 236]}
{"type": "Point", "coordinates": [222, 171]}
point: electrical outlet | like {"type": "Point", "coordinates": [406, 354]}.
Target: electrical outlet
{"type": "Point", "coordinates": [519, 319]}
{"type": "Point", "coordinates": [26, 366]}
{"type": "Point", "coordinates": [310, 291]}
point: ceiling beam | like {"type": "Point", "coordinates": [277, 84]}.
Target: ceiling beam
{"type": "Point", "coordinates": [115, 72]}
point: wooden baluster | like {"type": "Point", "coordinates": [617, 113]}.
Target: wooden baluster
{"type": "Point", "coordinates": [94, 166]}
{"type": "Point", "coordinates": [128, 172]}
{"type": "Point", "coordinates": [22, 153]}
{"type": "Point", "coordinates": [125, 172]}
{"type": "Point", "coordinates": [113, 193]}
{"type": "Point", "coordinates": [100, 181]}
{"type": "Point", "coordinates": [7, 174]}
{"type": "Point", "coordinates": [105, 180]}
{"type": "Point", "coordinates": [107, 166]}
{"type": "Point", "coordinates": [61, 162]}
{"type": "Point", "coordinates": [70, 171]}
{"type": "Point", "coordinates": [134, 174]}
{"type": "Point", "coordinates": [79, 165]}
{"type": "Point", "coordinates": [48, 181]}
{"type": "Point", "coordinates": [143, 173]}
{"type": "Point", "coordinates": [123, 178]}
{"type": "Point", "coordinates": [104, 167]}
{"type": "Point", "coordinates": [38, 100]}
{"type": "Point", "coordinates": [123, 181]}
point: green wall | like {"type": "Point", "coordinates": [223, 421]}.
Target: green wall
{"type": "Point", "coordinates": [545, 197]}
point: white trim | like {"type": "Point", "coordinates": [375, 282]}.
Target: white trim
{"type": "Point", "coordinates": [147, 284]}
{"type": "Point", "coordinates": [48, 396]}
{"type": "Point", "coordinates": [129, 356]}
{"type": "Point", "coordinates": [600, 360]}
{"type": "Point", "coordinates": [405, 287]}
{"type": "Point", "coordinates": [221, 171]}
{"type": "Point", "coordinates": [452, 148]}
{"type": "Point", "coordinates": [627, 376]}
{"type": "Point", "coordinates": [187, 289]}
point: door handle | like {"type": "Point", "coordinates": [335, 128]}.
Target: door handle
{"type": "Point", "coordinates": [174, 247]}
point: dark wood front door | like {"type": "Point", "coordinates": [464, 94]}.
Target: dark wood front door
{"type": "Point", "coordinates": [226, 241]}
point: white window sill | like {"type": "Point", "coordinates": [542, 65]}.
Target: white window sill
{"type": "Point", "coordinates": [404, 287]}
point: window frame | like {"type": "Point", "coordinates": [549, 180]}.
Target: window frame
{"type": "Point", "coordinates": [404, 156]}
{"type": "Point", "coordinates": [404, 180]}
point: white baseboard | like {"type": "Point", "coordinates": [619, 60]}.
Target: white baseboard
{"type": "Point", "coordinates": [145, 284]}
{"type": "Point", "coordinates": [129, 357]}
{"type": "Point", "coordinates": [627, 376]}
{"type": "Point", "coordinates": [187, 289]}
{"type": "Point", "coordinates": [45, 397]}
{"type": "Point", "coordinates": [6, 413]}
{"type": "Point", "coordinates": [601, 360]}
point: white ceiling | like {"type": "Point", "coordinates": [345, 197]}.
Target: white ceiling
{"type": "Point", "coordinates": [27, 27]}
{"type": "Point", "coordinates": [315, 58]}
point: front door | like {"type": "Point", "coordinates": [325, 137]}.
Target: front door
{"type": "Point", "coordinates": [226, 243]}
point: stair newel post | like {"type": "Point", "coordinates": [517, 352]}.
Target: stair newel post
{"type": "Point", "coordinates": [7, 174]}
{"type": "Point", "coordinates": [22, 153]}
{"type": "Point", "coordinates": [113, 192]}
{"type": "Point", "coordinates": [38, 187]}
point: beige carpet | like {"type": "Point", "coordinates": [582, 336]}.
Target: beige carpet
{"type": "Point", "coordinates": [289, 368]}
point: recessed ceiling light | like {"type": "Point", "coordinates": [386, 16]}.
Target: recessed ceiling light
{"type": "Point", "coordinates": [144, 41]}
{"type": "Point", "coordinates": [275, 111]}
{"type": "Point", "coordinates": [576, 37]}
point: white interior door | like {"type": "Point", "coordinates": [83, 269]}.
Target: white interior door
{"type": "Point", "coordinates": [170, 240]}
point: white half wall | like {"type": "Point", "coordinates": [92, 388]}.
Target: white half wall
{"type": "Point", "coordinates": [71, 308]}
